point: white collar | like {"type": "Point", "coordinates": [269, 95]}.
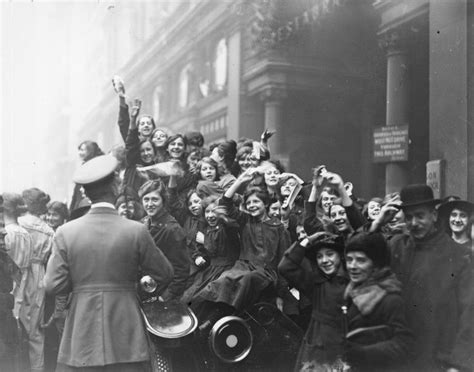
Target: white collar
{"type": "Point", "coordinates": [102, 205]}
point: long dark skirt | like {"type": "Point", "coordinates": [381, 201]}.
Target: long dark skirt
{"type": "Point", "coordinates": [201, 279]}
{"type": "Point", "coordinates": [240, 286]}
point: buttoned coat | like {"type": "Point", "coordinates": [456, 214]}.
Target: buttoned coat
{"type": "Point", "coordinates": [437, 288]}
{"type": "Point", "coordinates": [97, 258]}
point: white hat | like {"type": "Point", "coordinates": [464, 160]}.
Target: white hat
{"type": "Point", "coordinates": [95, 169]}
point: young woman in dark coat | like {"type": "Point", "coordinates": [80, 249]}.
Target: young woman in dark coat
{"type": "Point", "coordinates": [188, 213]}
{"type": "Point", "coordinates": [263, 242]}
{"type": "Point", "coordinates": [219, 249]}
{"type": "Point", "coordinates": [139, 152]}
{"type": "Point", "coordinates": [168, 235]}
{"type": "Point", "coordinates": [322, 344]}
{"type": "Point", "coordinates": [373, 298]}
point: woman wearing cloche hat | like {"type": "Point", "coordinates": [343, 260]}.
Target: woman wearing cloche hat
{"type": "Point", "coordinates": [456, 218]}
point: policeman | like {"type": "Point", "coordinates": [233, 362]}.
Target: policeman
{"type": "Point", "coordinates": [96, 259]}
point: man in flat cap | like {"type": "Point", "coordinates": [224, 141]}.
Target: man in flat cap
{"type": "Point", "coordinates": [97, 258]}
{"type": "Point", "coordinates": [437, 284]}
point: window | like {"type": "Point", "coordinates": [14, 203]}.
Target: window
{"type": "Point", "coordinates": [157, 96]}
{"type": "Point", "coordinates": [184, 86]}
{"type": "Point", "coordinates": [220, 65]}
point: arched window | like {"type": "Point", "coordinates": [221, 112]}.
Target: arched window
{"type": "Point", "coordinates": [157, 97]}
{"type": "Point", "coordinates": [184, 87]}
{"type": "Point", "coordinates": [220, 65]}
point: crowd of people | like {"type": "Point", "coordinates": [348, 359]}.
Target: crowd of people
{"type": "Point", "coordinates": [379, 284]}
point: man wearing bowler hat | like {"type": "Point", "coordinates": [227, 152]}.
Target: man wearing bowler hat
{"type": "Point", "coordinates": [96, 258]}
{"type": "Point", "coordinates": [437, 287]}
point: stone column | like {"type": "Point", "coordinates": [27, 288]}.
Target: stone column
{"type": "Point", "coordinates": [273, 99]}
{"type": "Point", "coordinates": [396, 174]}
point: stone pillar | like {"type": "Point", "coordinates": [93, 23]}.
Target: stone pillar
{"type": "Point", "coordinates": [273, 99]}
{"type": "Point", "coordinates": [396, 175]}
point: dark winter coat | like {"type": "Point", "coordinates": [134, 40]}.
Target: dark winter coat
{"type": "Point", "coordinates": [377, 302]}
{"type": "Point", "coordinates": [170, 237]}
{"type": "Point", "coordinates": [262, 246]}
{"type": "Point", "coordinates": [191, 224]}
{"type": "Point", "coordinates": [220, 249]}
{"type": "Point", "coordinates": [131, 178]}
{"type": "Point", "coordinates": [322, 343]}
{"type": "Point", "coordinates": [436, 277]}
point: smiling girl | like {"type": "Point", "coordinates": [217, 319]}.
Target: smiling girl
{"type": "Point", "coordinates": [139, 152]}
{"type": "Point", "coordinates": [219, 249]}
{"type": "Point", "coordinates": [176, 147]}
{"type": "Point", "coordinates": [188, 213]}
{"type": "Point", "coordinates": [159, 136]}
{"type": "Point", "coordinates": [322, 344]}
{"type": "Point", "coordinates": [457, 217]}
{"type": "Point", "coordinates": [263, 241]}
{"type": "Point", "coordinates": [168, 235]}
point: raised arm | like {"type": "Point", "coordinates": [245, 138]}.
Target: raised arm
{"type": "Point", "coordinates": [123, 121]}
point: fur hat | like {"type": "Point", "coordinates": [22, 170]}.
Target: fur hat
{"type": "Point", "coordinates": [373, 245]}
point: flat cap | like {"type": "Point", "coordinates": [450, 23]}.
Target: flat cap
{"type": "Point", "coordinates": [95, 169]}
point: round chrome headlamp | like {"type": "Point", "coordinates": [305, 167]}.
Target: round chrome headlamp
{"type": "Point", "coordinates": [231, 339]}
{"type": "Point", "coordinates": [148, 284]}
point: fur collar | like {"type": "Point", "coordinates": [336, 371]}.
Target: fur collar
{"type": "Point", "coordinates": [368, 294]}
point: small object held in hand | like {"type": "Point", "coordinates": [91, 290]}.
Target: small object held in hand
{"type": "Point", "coordinates": [319, 171]}
{"type": "Point", "coordinates": [267, 133]}
{"type": "Point", "coordinates": [137, 103]}
{"type": "Point", "coordinates": [200, 261]}
{"type": "Point", "coordinates": [118, 84]}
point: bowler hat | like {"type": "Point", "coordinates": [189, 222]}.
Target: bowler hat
{"type": "Point", "coordinates": [95, 169]}
{"type": "Point", "coordinates": [417, 194]}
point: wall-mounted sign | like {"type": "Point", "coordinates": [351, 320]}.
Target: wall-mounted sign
{"type": "Point", "coordinates": [391, 143]}
{"type": "Point", "coordinates": [435, 177]}
{"type": "Point", "coordinates": [270, 29]}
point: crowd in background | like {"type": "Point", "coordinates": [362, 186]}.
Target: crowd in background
{"type": "Point", "coordinates": [238, 228]}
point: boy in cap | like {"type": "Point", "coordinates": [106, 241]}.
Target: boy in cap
{"type": "Point", "coordinates": [97, 258]}
{"type": "Point", "coordinates": [437, 286]}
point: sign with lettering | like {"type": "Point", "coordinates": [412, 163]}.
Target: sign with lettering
{"type": "Point", "coordinates": [391, 143]}
{"type": "Point", "coordinates": [435, 177]}
{"type": "Point", "coordinates": [269, 29]}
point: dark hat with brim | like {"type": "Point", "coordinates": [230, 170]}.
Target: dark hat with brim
{"type": "Point", "coordinates": [417, 195]}
{"type": "Point", "coordinates": [446, 208]}
{"type": "Point", "coordinates": [326, 240]}
{"type": "Point", "coordinates": [95, 170]}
